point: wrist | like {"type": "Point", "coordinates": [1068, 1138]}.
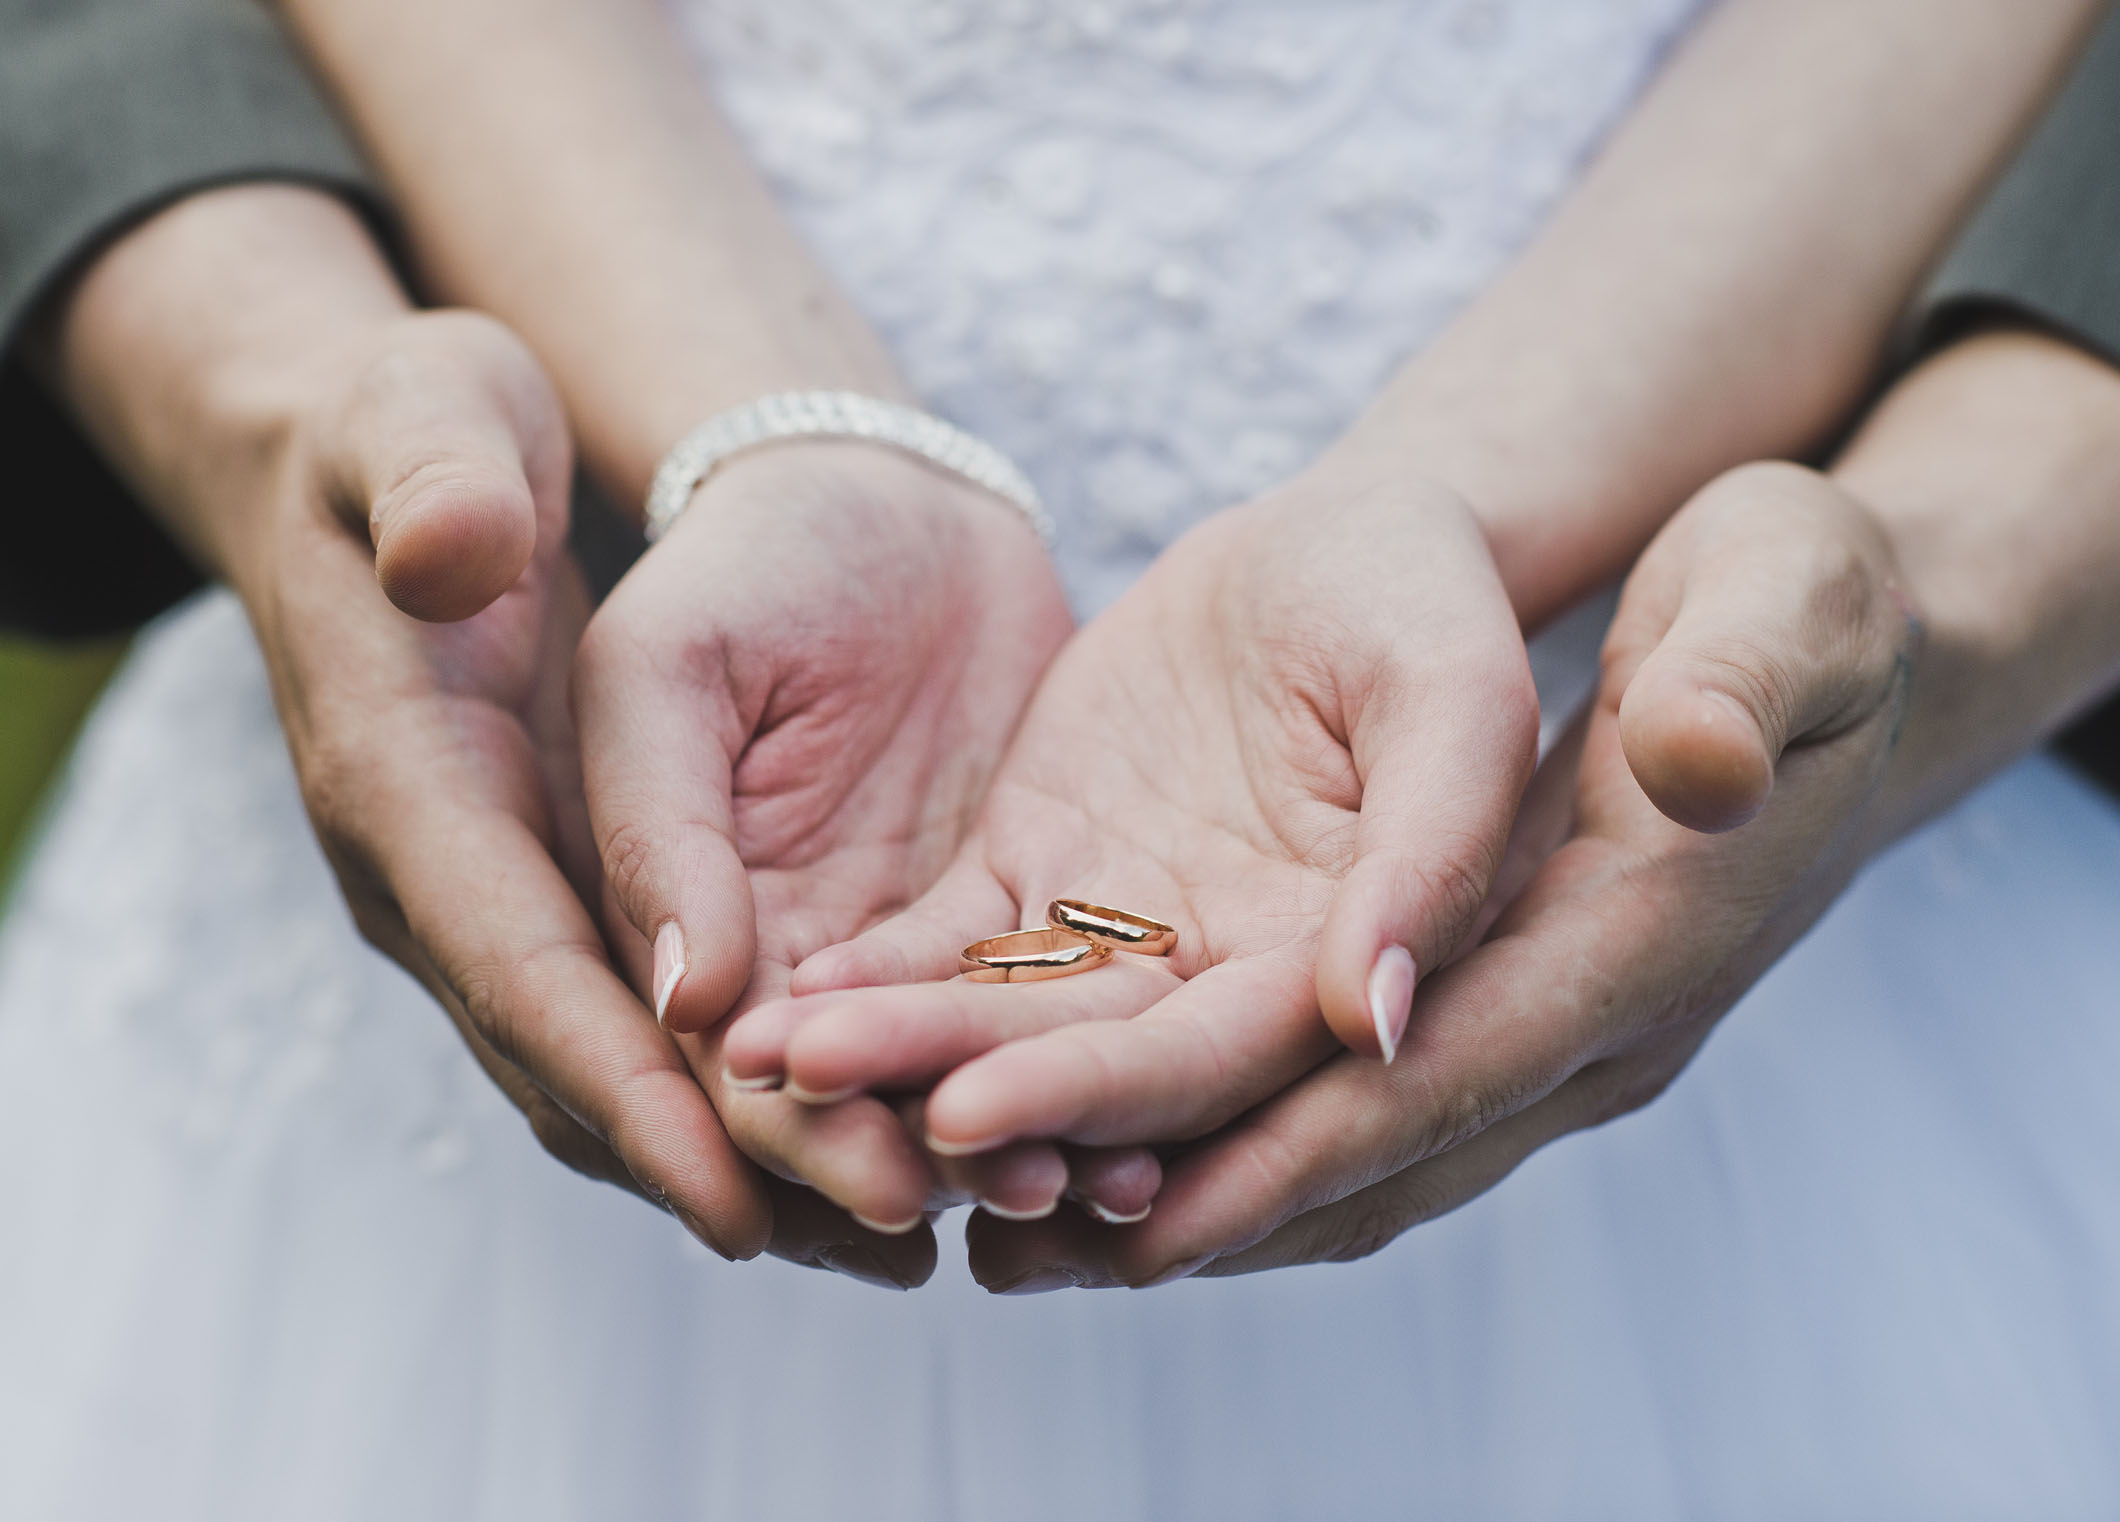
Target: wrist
{"type": "Point", "coordinates": [1993, 468]}
{"type": "Point", "coordinates": [1566, 485]}
{"type": "Point", "coordinates": [192, 347]}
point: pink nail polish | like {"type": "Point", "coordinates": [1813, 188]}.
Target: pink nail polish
{"type": "Point", "coordinates": [1036, 1213]}
{"type": "Point", "coordinates": [1391, 982]}
{"type": "Point", "coordinates": [888, 1228]}
{"type": "Point", "coordinates": [669, 966]}
{"type": "Point", "coordinates": [801, 1095]}
{"type": "Point", "coordinates": [1112, 1217]}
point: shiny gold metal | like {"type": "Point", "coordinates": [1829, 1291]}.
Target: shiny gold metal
{"type": "Point", "coordinates": [1025, 956]}
{"type": "Point", "coordinates": [1112, 927]}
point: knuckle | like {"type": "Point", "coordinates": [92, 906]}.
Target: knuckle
{"type": "Point", "coordinates": [1451, 885]}
{"type": "Point", "coordinates": [482, 987]}
{"type": "Point", "coordinates": [629, 854]}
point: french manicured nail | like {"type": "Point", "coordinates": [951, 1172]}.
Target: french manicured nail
{"type": "Point", "coordinates": [1112, 1217]}
{"type": "Point", "coordinates": [801, 1095]}
{"type": "Point", "coordinates": [669, 966]}
{"type": "Point", "coordinates": [1391, 997]}
{"type": "Point", "coordinates": [962, 1149]}
{"type": "Point", "coordinates": [857, 1262]}
{"type": "Point", "coordinates": [1038, 1281]}
{"type": "Point", "coordinates": [1006, 1214]}
{"type": "Point", "coordinates": [889, 1228]}
{"type": "Point", "coordinates": [756, 1085]}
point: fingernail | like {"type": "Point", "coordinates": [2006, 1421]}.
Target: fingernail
{"type": "Point", "coordinates": [1037, 1281]}
{"type": "Point", "coordinates": [698, 1228]}
{"type": "Point", "coordinates": [753, 1085]}
{"type": "Point", "coordinates": [801, 1095]}
{"type": "Point", "coordinates": [857, 1262]}
{"type": "Point", "coordinates": [1006, 1214]}
{"type": "Point", "coordinates": [669, 966]}
{"type": "Point", "coordinates": [962, 1149]}
{"type": "Point", "coordinates": [1391, 997]}
{"type": "Point", "coordinates": [889, 1228]}
{"type": "Point", "coordinates": [1176, 1271]}
{"type": "Point", "coordinates": [1112, 1217]}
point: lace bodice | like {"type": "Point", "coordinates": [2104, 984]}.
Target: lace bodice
{"type": "Point", "coordinates": [1161, 251]}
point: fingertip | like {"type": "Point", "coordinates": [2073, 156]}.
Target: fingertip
{"type": "Point", "coordinates": [1116, 1185]}
{"type": "Point", "coordinates": [754, 1048]}
{"type": "Point", "coordinates": [1697, 752]}
{"type": "Point", "coordinates": [447, 548]}
{"type": "Point", "coordinates": [1023, 1183]}
{"type": "Point", "coordinates": [849, 964]}
{"type": "Point", "coordinates": [703, 956]}
{"type": "Point", "coordinates": [1365, 973]}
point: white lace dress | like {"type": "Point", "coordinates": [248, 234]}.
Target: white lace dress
{"type": "Point", "coordinates": [270, 1246]}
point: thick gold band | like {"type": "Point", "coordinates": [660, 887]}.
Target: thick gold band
{"type": "Point", "coordinates": [1112, 927]}
{"type": "Point", "coordinates": [1024, 956]}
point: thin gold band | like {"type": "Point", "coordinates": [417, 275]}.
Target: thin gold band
{"type": "Point", "coordinates": [1112, 927]}
{"type": "Point", "coordinates": [1025, 956]}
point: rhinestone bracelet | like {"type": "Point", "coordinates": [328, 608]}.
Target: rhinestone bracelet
{"type": "Point", "coordinates": [834, 415]}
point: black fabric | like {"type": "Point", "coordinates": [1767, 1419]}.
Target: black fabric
{"type": "Point", "coordinates": [78, 558]}
{"type": "Point", "coordinates": [110, 109]}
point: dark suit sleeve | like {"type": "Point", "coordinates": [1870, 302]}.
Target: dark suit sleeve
{"type": "Point", "coordinates": [110, 109]}
{"type": "Point", "coordinates": [2045, 246]}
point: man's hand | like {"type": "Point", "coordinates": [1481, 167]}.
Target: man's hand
{"type": "Point", "coordinates": [247, 360]}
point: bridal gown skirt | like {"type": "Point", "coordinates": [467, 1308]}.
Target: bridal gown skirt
{"type": "Point", "coordinates": [272, 1248]}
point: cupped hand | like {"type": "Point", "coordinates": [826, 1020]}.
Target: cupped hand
{"type": "Point", "coordinates": [790, 709]}
{"type": "Point", "coordinates": [1300, 739]}
{"type": "Point", "coordinates": [438, 760]}
{"type": "Point", "coordinates": [1754, 680]}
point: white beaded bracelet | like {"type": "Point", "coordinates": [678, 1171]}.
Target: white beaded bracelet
{"type": "Point", "coordinates": [834, 414]}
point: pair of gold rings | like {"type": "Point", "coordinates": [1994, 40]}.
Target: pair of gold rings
{"type": "Point", "coordinates": [1075, 937]}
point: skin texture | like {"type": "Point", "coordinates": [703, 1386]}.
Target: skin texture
{"type": "Point", "coordinates": [1687, 265]}
{"type": "Point", "coordinates": [1991, 474]}
{"type": "Point", "coordinates": [246, 359]}
{"type": "Point", "coordinates": [1273, 741]}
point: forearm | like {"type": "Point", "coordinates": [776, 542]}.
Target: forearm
{"type": "Point", "coordinates": [1996, 469]}
{"type": "Point", "coordinates": [1721, 285]}
{"type": "Point", "coordinates": [190, 344]}
{"type": "Point", "coordinates": [559, 165]}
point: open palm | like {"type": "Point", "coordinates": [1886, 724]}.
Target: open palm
{"type": "Point", "coordinates": [790, 710]}
{"type": "Point", "coordinates": [1300, 739]}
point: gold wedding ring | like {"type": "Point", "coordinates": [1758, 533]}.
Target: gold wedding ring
{"type": "Point", "coordinates": [1025, 956]}
{"type": "Point", "coordinates": [1112, 927]}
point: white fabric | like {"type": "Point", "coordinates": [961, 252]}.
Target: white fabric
{"type": "Point", "coordinates": [271, 1247]}
{"type": "Point", "coordinates": [1160, 252]}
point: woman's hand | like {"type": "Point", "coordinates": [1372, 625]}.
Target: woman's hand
{"type": "Point", "coordinates": [790, 710]}
{"type": "Point", "coordinates": [1300, 738]}
{"type": "Point", "coordinates": [1755, 680]}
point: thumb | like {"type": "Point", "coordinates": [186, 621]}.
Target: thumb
{"type": "Point", "coordinates": [1439, 789]}
{"type": "Point", "coordinates": [1767, 614]}
{"type": "Point", "coordinates": [449, 450]}
{"type": "Point", "coordinates": [661, 735]}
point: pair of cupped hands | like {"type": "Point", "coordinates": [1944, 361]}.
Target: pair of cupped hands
{"type": "Point", "coordinates": [838, 723]}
